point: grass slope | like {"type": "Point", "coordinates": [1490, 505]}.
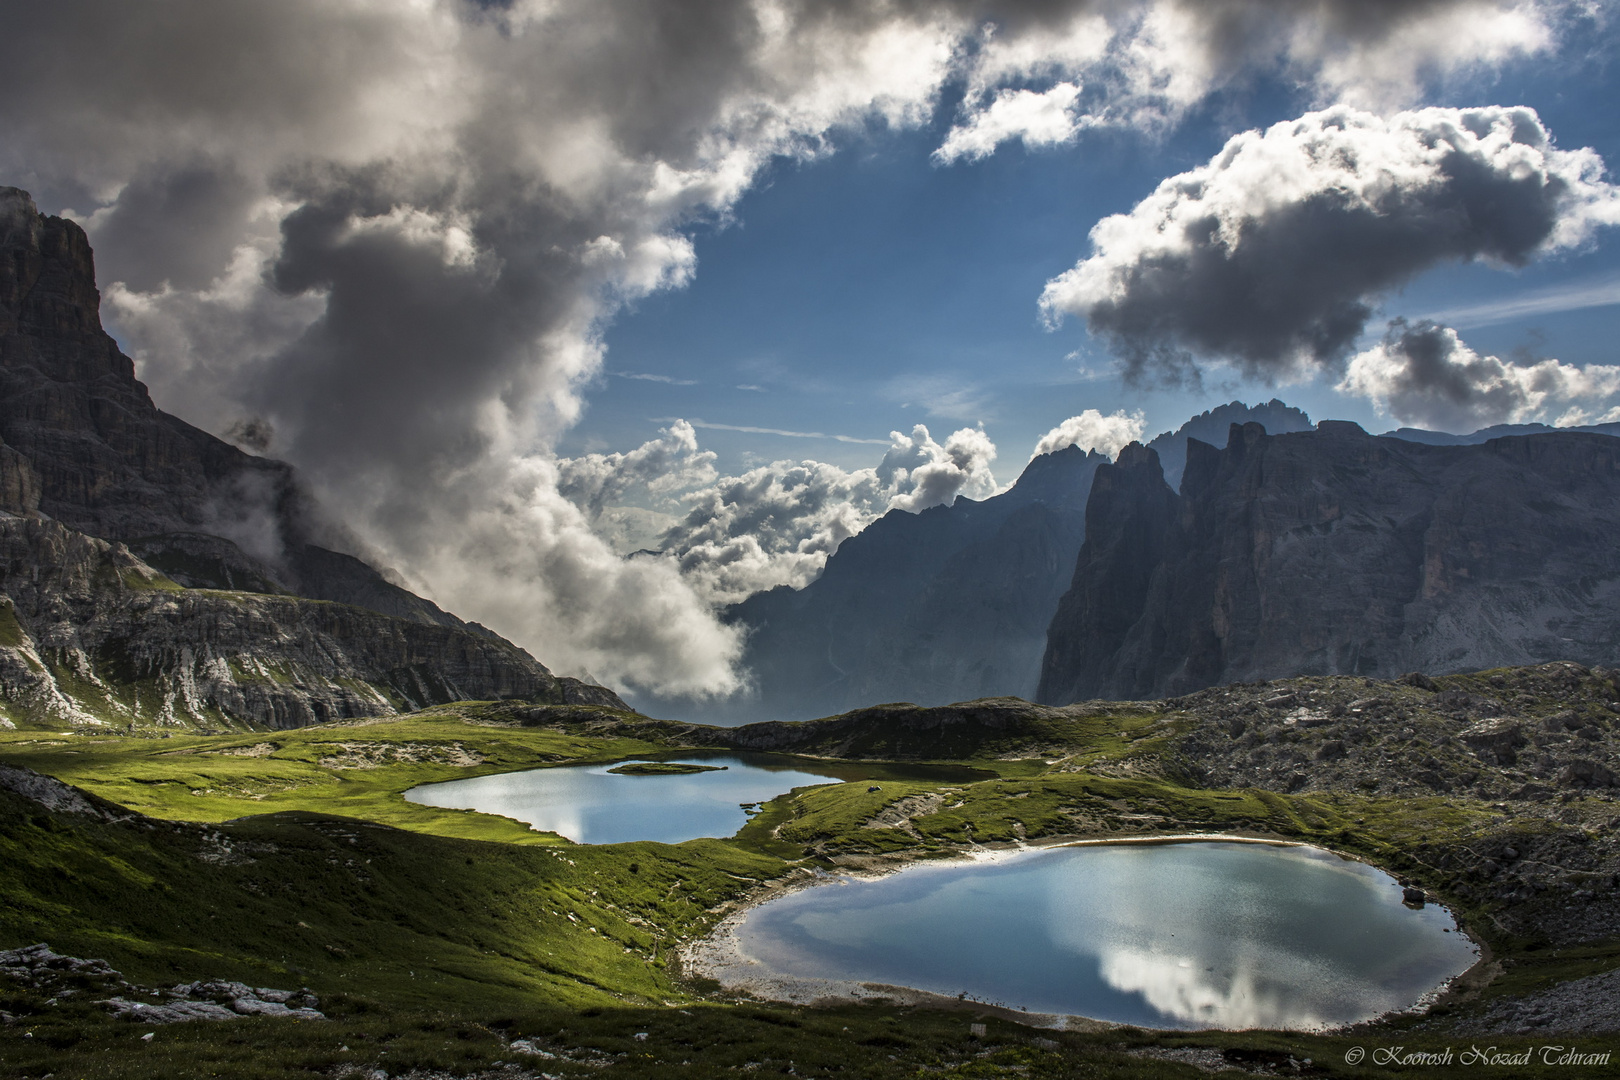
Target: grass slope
{"type": "Point", "coordinates": [435, 938]}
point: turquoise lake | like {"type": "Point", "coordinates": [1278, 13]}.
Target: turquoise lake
{"type": "Point", "coordinates": [590, 805]}
{"type": "Point", "coordinates": [1184, 935]}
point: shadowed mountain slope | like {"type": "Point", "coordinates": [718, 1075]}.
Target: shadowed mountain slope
{"type": "Point", "coordinates": [1335, 552]}
{"type": "Point", "coordinates": [946, 605]}
{"type": "Point", "coordinates": [109, 507]}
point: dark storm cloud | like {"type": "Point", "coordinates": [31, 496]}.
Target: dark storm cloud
{"type": "Point", "coordinates": [1274, 254]}
{"type": "Point", "coordinates": [175, 225]}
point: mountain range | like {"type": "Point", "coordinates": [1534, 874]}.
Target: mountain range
{"type": "Point", "coordinates": [1337, 552]}
{"type": "Point", "coordinates": [153, 573]}
{"type": "Point", "coordinates": [945, 605]}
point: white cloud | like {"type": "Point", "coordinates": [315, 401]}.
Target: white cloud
{"type": "Point", "coordinates": [668, 380]}
{"type": "Point", "coordinates": [1044, 119]}
{"type": "Point", "coordinates": [1272, 255]}
{"type": "Point", "coordinates": [1144, 65]}
{"type": "Point", "coordinates": [1425, 376]}
{"type": "Point", "coordinates": [923, 473]}
{"type": "Point", "coordinates": [778, 523]}
{"type": "Point", "coordinates": [1091, 430]}
{"type": "Point", "coordinates": [1603, 291]}
{"type": "Point", "coordinates": [672, 462]}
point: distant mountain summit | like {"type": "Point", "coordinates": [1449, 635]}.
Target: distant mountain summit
{"type": "Point", "coordinates": [1337, 552]}
{"type": "Point", "coordinates": [947, 605]}
{"type": "Point", "coordinates": [1496, 431]}
{"type": "Point", "coordinates": [131, 594]}
{"type": "Point", "coordinates": [1212, 426]}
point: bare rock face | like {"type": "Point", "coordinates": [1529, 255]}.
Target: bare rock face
{"type": "Point", "coordinates": [82, 442]}
{"type": "Point", "coordinates": [91, 635]}
{"type": "Point", "coordinates": [1334, 552]}
{"type": "Point", "coordinates": [153, 572]}
{"type": "Point", "coordinates": [943, 605]}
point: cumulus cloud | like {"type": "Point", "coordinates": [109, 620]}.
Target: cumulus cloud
{"type": "Point", "coordinates": [1272, 255]}
{"type": "Point", "coordinates": [394, 232]}
{"type": "Point", "coordinates": [1042, 73]}
{"type": "Point", "coordinates": [1044, 119]}
{"type": "Point", "coordinates": [1423, 375]}
{"type": "Point", "coordinates": [1091, 430]}
{"type": "Point", "coordinates": [777, 524]}
{"type": "Point", "coordinates": [923, 473]}
{"type": "Point", "coordinates": [672, 462]}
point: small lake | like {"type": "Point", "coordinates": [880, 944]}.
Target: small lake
{"type": "Point", "coordinates": [1185, 935]}
{"type": "Point", "coordinates": [590, 805]}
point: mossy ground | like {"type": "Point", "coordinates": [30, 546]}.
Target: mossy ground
{"type": "Point", "coordinates": [435, 938]}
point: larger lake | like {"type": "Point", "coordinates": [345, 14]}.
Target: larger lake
{"type": "Point", "coordinates": [1189, 935]}
{"type": "Point", "coordinates": [590, 805]}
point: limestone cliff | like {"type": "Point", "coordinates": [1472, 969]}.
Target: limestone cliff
{"type": "Point", "coordinates": [129, 596]}
{"type": "Point", "coordinates": [1334, 552]}
{"type": "Point", "coordinates": [82, 442]}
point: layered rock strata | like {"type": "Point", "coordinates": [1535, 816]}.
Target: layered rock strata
{"type": "Point", "coordinates": [89, 634]}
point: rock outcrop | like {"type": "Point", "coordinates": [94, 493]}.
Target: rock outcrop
{"type": "Point", "coordinates": [89, 634]}
{"type": "Point", "coordinates": [1335, 552]}
{"type": "Point", "coordinates": [155, 573]}
{"type": "Point", "coordinates": [82, 442]}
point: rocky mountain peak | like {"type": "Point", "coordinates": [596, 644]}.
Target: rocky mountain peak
{"type": "Point", "coordinates": [1334, 552]}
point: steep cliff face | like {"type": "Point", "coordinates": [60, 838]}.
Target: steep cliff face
{"type": "Point", "coordinates": [84, 444]}
{"type": "Point", "coordinates": [946, 605]}
{"type": "Point", "coordinates": [1334, 552]}
{"type": "Point", "coordinates": [951, 604]}
{"type": "Point", "coordinates": [1211, 426]}
{"type": "Point", "coordinates": [87, 458]}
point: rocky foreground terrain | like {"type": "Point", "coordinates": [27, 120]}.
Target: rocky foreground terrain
{"type": "Point", "coordinates": [90, 636]}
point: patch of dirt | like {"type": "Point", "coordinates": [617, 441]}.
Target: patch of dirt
{"type": "Point", "coordinates": [262, 749]}
{"type": "Point", "coordinates": [898, 814]}
{"type": "Point", "coordinates": [364, 755]}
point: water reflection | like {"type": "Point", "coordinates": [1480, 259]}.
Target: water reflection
{"type": "Point", "coordinates": [1185, 935]}
{"type": "Point", "coordinates": [590, 805]}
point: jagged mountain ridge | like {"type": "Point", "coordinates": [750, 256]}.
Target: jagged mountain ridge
{"type": "Point", "coordinates": [1211, 426]}
{"type": "Point", "coordinates": [949, 604]}
{"type": "Point", "coordinates": [1495, 431]}
{"type": "Point", "coordinates": [941, 605]}
{"type": "Point", "coordinates": [1337, 552]}
{"type": "Point", "coordinates": [109, 506]}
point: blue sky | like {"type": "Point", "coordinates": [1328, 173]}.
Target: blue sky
{"type": "Point", "coordinates": [871, 289]}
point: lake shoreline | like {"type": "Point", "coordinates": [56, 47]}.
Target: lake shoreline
{"type": "Point", "coordinates": [719, 955]}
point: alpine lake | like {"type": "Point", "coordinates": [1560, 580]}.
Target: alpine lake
{"type": "Point", "coordinates": [1172, 935]}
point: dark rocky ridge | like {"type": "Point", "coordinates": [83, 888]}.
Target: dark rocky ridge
{"type": "Point", "coordinates": [85, 454]}
{"type": "Point", "coordinates": [1335, 552]}
{"type": "Point", "coordinates": [1211, 426]}
{"type": "Point", "coordinates": [91, 635]}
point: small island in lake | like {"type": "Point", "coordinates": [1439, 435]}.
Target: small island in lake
{"type": "Point", "coordinates": [662, 768]}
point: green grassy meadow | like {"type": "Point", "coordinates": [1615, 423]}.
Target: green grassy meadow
{"type": "Point", "coordinates": [436, 939]}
